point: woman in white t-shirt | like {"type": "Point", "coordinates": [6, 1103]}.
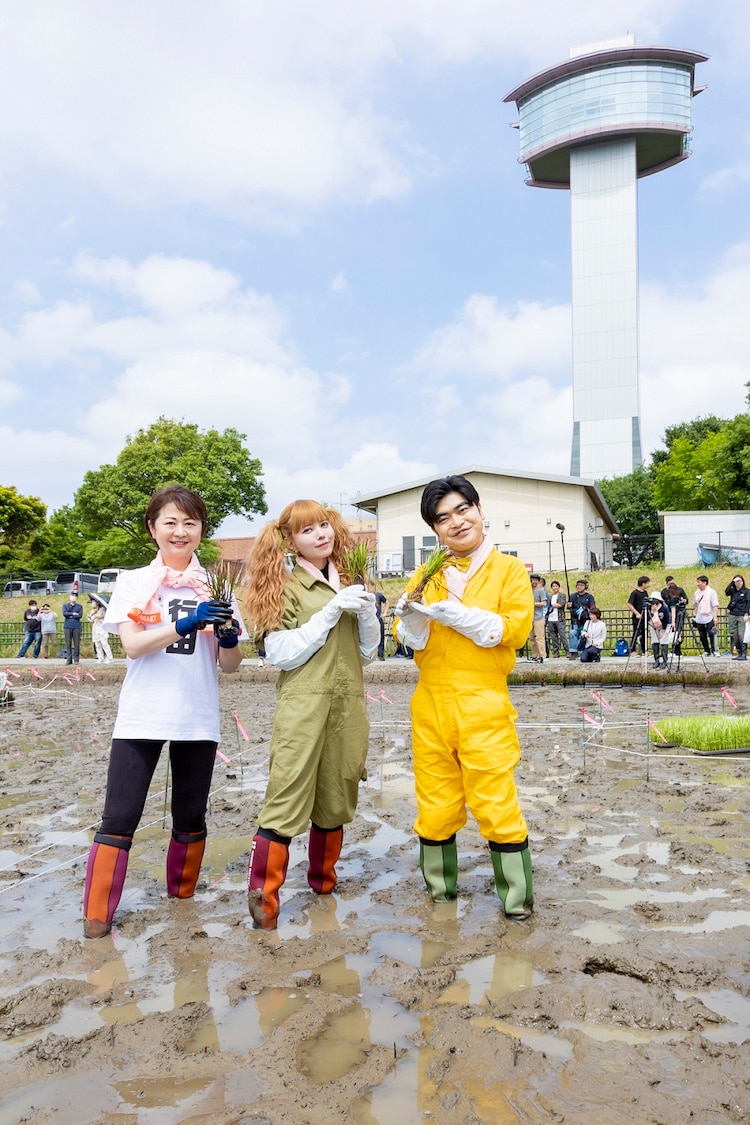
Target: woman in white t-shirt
{"type": "Point", "coordinates": [170, 692]}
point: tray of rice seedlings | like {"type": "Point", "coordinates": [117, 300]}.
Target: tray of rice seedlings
{"type": "Point", "coordinates": [706, 734]}
{"type": "Point", "coordinates": [357, 564]}
{"type": "Point", "coordinates": [435, 562]}
{"type": "Point", "coordinates": [220, 580]}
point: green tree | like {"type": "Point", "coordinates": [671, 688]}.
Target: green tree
{"type": "Point", "coordinates": [20, 515]}
{"type": "Point", "coordinates": [694, 432]}
{"type": "Point", "coordinates": [631, 500]}
{"type": "Point", "coordinates": [60, 544]}
{"type": "Point", "coordinates": [112, 499]}
{"type": "Point", "coordinates": [733, 461]}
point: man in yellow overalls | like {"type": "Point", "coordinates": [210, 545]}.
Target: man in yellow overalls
{"type": "Point", "coordinates": [465, 633]}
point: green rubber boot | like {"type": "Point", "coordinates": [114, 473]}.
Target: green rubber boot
{"type": "Point", "coordinates": [438, 860]}
{"type": "Point", "coordinates": [511, 864]}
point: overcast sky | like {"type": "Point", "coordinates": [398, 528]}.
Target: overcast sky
{"type": "Point", "coordinates": [308, 221]}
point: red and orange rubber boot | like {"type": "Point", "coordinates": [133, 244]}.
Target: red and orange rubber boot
{"type": "Point", "coordinates": [269, 859]}
{"type": "Point", "coordinates": [105, 878]}
{"type": "Point", "coordinates": [324, 849]}
{"type": "Point", "coordinates": [184, 858]}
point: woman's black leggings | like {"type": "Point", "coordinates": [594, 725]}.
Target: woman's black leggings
{"type": "Point", "coordinates": [131, 766]}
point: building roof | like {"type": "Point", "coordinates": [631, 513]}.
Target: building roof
{"type": "Point", "coordinates": [603, 58]}
{"type": "Point", "coordinates": [368, 501]}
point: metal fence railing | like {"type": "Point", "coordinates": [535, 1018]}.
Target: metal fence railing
{"type": "Point", "coordinates": [619, 624]}
{"type": "Point", "coordinates": [12, 634]}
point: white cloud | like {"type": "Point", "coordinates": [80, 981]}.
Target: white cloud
{"type": "Point", "coordinates": [490, 341]}
{"type": "Point", "coordinates": [257, 110]}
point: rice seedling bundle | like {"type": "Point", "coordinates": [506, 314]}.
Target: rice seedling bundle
{"type": "Point", "coordinates": [707, 733]}
{"type": "Point", "coordinates": [436, 561]}
{"type": "Point", "coordinates": [358, 564]}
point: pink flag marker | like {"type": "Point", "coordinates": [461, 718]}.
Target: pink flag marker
{"type": "Point", "coordinates": [34, 673]}
{"type": "Point", "coordinates": [371, 697]}
{"type": "Point", "coordinates": [91, 676]}
{"type": "Point", "coordinates": [15, 675]}
{"type": "Point", "coordinates": [589, 719]}
{"type": "Point", "coordinates": [729, 698]}
{"type": "Point", "coordinates": [599, 697]}
{"type": "Point", "coordinates": [240, 727]}
{"type": "Point", "coordinates": [654, 727]}
{"type": "Point", "coordinates": [223, 757]}
{"type": "Point", "coordinates": [384, 697]}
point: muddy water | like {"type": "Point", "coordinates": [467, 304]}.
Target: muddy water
{"type": "Point", "coordinates": [628, 989]}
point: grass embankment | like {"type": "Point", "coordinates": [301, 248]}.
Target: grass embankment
{"type": "Point", "coordinates": [611, 588]}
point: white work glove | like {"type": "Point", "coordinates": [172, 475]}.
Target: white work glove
{"type": "Point", "coordinates": [353, 598]}
{"type": "Point", "coordinates": [291, 648]}
{"type": "Point", "coordinates": [481, 626]}
{"type": "Point", "coordinates": [412, 629]}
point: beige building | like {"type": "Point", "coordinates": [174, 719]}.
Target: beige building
{"type": "Point", "coordinates": [521, 512]}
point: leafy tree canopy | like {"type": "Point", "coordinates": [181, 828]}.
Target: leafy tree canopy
{"type": "Point", "coordinates": [631, 501]}
{"type": "Point", "coordinates": [111, 502]}
{"type": "Point", "coordinates": [693, 432]}
{"type": "Point", "coordinates": [20, 515]}
{"type": "Point", "coordinates": [712, 473]}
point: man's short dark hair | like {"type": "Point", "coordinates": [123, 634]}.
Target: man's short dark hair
{"type": "Point", "coordinates": [437, 490]}
{"type": "Point", "coordinates": [582, 582]}
{"type": "Point", "coordinates": [702, 578]}
{"type": "Point", "coordinates": [643, 579]}
{"type": "Point", "coordinates": [537, 576]}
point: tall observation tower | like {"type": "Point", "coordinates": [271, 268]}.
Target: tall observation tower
{"type": "Point", "coordinates": [611, 113]}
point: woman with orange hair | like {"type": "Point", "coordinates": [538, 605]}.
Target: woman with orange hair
{"type": "Point", "coordinates": [319, 633]}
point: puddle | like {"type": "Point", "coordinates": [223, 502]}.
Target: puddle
{"type": "Point", "coordinates": [730, 1006]}
{"type": "Point", "coordinates": [609, 1033]}
{"type": "Point", "coordinates": [601, 933]}
{"type": "Point", "coordinates": [715, 922]}
{"type": "Point", "coordinates": [489, 979]}
{"type": "Point", "coordinates": [553, 1046]}
{"type": "Point", "coordinates": [348, 1036]}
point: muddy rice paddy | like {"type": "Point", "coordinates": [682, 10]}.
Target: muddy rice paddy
{"type": "Point", "coordinates": [625, 999]}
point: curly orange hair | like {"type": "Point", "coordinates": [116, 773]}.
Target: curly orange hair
{"type": "Point", "coordinates": [269, 572]}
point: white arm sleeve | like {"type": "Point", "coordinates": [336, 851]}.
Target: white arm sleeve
{"type": "Point", "coordinates": [291, 648]}
{"type": "Point", "coordinates": [481, 626]}
{"type": "Point", "coordinates": [369, 636]}
{"type": "Point", "coordinates": [413, 631]}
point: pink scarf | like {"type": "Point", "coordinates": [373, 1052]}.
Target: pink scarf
{"type": "Point", "coordinates": [456, 579]}
{"type": "Point", "coordinates": [332, 580]}
{"type": "Point", "coordinates": [146, 610]}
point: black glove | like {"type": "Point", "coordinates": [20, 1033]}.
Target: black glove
{"type": "Point", "coordinates": [228, 633]}
{"type": "Point", "coordinates": [207, 613]}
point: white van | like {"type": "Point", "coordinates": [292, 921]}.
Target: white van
{"type": "Point", "coordinates": [76, 581]}
{"type": "Point", "coordinates": [15, 589]}
{"type": "Point", "coordinates": [41, 587]}
{"type": "Point", "coordinates": [107, 579]}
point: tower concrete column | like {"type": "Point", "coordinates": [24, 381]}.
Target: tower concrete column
{"type": "Point", "coordinates": [604, 252]}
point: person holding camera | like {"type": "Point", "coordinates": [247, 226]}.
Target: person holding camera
{"type": "Point", "coordinates": [738, 612]}
{"type": "Point", "coordinates": [660, 629]}
{"type": "Point", "coordinates": [638, 606]}
{"type": "Point", "coordinates": [580, 606]}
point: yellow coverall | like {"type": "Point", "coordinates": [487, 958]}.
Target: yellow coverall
{"type": "Point", "coordinates": [463, 723]}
